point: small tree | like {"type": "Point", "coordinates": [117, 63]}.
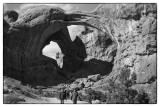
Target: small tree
{"type": "Point", "coordinates": [142, 98]}
{"type": "Point", "coordinates": [122, 92]}
{"type": "Point", "coordinates": [124, 75]}
{"type": "Point", "coordinates": [133, 78]}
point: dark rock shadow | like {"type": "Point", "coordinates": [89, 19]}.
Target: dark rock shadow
{"type": "Point", "coordinates": [92, 67]}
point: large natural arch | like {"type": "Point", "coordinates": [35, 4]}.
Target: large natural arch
{"type": "Point", "coordinates": [25, 38]}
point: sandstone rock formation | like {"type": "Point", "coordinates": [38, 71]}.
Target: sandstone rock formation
{"type": "Point", "coordinates": [26, 34]}
{"type": "Point", "coordinates": [125, 36]}
{"type": "Point", "coordinates": [100, 51]}
{"type": "Point", "coordinates": [59, 59]}
{"type": "Point", "coordinates": [134, 26]}
{"type": "Point", "coordinates": [10, 16]}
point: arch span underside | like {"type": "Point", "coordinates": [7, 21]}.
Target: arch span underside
{"type": "Point", "coordinates": [24, 40]}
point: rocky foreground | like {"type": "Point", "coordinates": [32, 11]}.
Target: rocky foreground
{"type": "Point", "coordinates": [117, 42]}
{"type": "Point", "coordinates": [15, 92]}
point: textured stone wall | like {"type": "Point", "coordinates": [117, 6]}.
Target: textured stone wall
{"type": "Point", "coordinates": [27, 33]}
{"type": "Point", "coordinates": [133, 28]}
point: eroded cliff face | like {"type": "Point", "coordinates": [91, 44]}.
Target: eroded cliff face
{"type": "Point", "coordinates": [135, 28]}
{"type": "Point", "coordinates": [27, 33]}
{"type": "Point", "coordinates": [100, 51]}
{"type": "Point", "coordinates": [134, 43]}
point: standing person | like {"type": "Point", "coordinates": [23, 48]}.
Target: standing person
{"type": "Point", "coordinates": [90, 98]}
{"type": "Point", "coordinates": [74, 96]}
{"type": "Point", "coordinates": [70, 94]}
{"type": "Point", "coordinates": [62, 96]}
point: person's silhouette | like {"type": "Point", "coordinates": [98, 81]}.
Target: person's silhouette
{"type": "Point", "coordinates": [62, 96]}
{"type": "Point", "coordinates": [74, 96]}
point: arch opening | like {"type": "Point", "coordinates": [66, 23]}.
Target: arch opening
{"type": "Point", "coordinates": [52, 48]}
{"type": "Point", "coordinates": [53, 51]}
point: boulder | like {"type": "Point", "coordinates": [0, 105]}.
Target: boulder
{"type": "Point", "coordinates": [94, 77]}
{"type": "Point", "coordinates": [98, 83]}
{"type": "Point", "coordinates": [88, 84]}
{"type": "Point", "coordinates": [73, 86]}
{"type": "Point", "coordinates": [96, 102]}
{"type": "Point", "coordinates": [147, 25]}
{"type": "Point", "coordinates": [84, 80]}
{"type": "Point", "coordinates": [147, 71]}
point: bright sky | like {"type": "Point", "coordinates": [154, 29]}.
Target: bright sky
{"type": "Point", "coordinates": [66, 7]}
{"type": "Point", "coordinates": [51, 49]}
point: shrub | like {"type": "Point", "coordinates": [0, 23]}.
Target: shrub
{"type": "Point", "coordinates": [12, 99]}
{"type": "Point", "coordinates": [120, 95]}
{"type": "Point", "coordinates": [94, 95]}
{"type": "Point", "coordinates": [89, 91]}
{"type": "Point", "coordinates": [50, 94]}
{"type": "Point", "coordinates": [5, 91]}
{"type": "Point", "coordinates": [122, 92]}
{"type": "Point", "coordinates": [124, 75]}
{"type": "Point", "coordinates": [133, 78]}
{"type": "Point", "coordinates": [142, 98]}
